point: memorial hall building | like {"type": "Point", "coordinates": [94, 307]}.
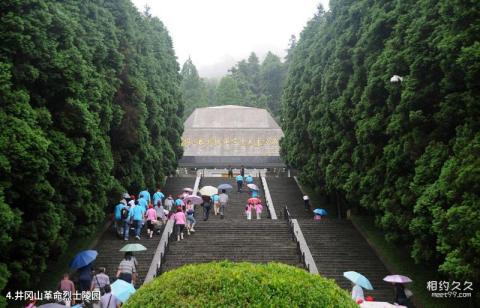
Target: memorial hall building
{"type": "Point", "coordinates": [231, 135]}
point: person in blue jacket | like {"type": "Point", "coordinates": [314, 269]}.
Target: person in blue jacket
{"type": "Point", "coordinates": [158, 196]}
{"type": "Point", "coordinates": [118, 216]}
{"type": "Point", "coordinates": [239, 180]}
{"type": "Point", "coordinates": [146, 195]}
{"type": "Point", "coordinates": [142, 201]}
{"type": "Point", "coordinates": [179, 201]}
{"type": "Point", "coordinates": [137, 214]}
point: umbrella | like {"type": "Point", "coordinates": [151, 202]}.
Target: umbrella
{"type": "Point", "coordinates": [188, 189]}
{"type": "Point", "coordinates": [133, 247]}
{"type": "Point", "coordinates": [359, 279]}
{"type": "Point", "coordinates": [122, 289]}
{"type": "Point", "coordinates": [252, 186]}
{"type": "Point", "coordinates": [254, 200]}
{"type": "Point", "coordinates": [397, 279]}
{"type": "Point", "coordinates": [227, 187]}
{"type": "Point", "coordinates": [194, 199]}
{"type": "Point", "coordinates": [320, 212]}
{"type": "Point", "coordinates": [208, 191]}
{"type": "Point", "coordinates": [83, 258]}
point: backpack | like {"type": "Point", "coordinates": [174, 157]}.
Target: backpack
{"type": "Point", "coordinates": [124, 213]}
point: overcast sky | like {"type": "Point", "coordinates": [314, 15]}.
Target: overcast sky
{"type": "Point", "coordinates": [217, 33]}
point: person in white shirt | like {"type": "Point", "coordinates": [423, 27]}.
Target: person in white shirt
{"type": "Point", "coordinates": [169, 203]}
{"type": "Point", "coordinates": [223, 198]}
{"type": "Point", "coordinates": [357, 293]}
{"type": "Point", "coordinates": [306, 203]}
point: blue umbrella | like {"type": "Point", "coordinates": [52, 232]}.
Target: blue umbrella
{"type": "Point", "coordinates": [227, 187]}
{"type": "Point", "coordinates": [359, 279]}
{"type": "Point", "coordinates": [83, 258]}
{"type": "Point", "coordinates": [320, 212]}
{"type": "Point", "coordinates": [122, 290]}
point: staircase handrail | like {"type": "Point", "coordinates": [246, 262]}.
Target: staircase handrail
{"type": "Point", "coordinates": [196, 185]}
{"type": "Point", "coordinates": [304, 250]}
{"type": "Point", "coordinates": [268, 199]}
{"type": "Point", "coordinates": [159, 257]}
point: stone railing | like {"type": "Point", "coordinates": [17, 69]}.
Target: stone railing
{"type": "Point", "coordinates": [306, 255]}
{"type": "Point", "coordinates": [268, 198]}
{"type": "Point", "coordinates": [159, 257]}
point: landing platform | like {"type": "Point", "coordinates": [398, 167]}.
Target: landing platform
{"type": "Point", "coordinates": [234, 161]}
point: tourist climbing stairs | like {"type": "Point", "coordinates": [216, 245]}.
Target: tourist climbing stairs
{"type": "Point", "coordinates": [109, 244]}
{"type": "Point", "coordinates": [234, 238]}
{"type": "Point", "coordinates": [335, 244]}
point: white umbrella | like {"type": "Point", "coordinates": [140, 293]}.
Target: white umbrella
{"type": "Point", "coordinates": [208, 191]}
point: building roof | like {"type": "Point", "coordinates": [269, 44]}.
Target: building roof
{"type": "Point", "coordinates": [230, 116]}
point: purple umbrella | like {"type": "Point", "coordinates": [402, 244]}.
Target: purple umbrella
{"type": "Point", "coordinates": [194, 199]}
{"type": "Point", "coordinates": [397, 279]}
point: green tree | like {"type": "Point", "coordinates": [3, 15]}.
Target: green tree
{"type": "Point", "coordinates": [272, 75]}
{"type": "Point", "coordinates": [194, 89]}
{"type": "Point", "coordinates": [90, 107]}
{"type": "Point", "coordinates": [406, 152]}
{"type": "Point", "coordinates": [228, 92]}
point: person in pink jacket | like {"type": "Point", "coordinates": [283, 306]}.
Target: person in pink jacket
{"type": "Point", "coordinates": [258, 209]}
{"type": "Point", "coordinates": [180, 220]}
{"type": "Point", "coordinates": [248, 210]}
{"type": "Point", "coordinates": [151, 216]}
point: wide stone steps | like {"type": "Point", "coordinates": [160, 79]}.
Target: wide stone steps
{"type": "Point", "coordinates": [109, 244]}
{"type": "Point", "coordinates": [336, 246]}
{"type": "Point", "coordinates": [284, 191]}
{"type": "Point", "coordinates": [236, 205]}
{"type": "Point", "coordinates": [234, 238]}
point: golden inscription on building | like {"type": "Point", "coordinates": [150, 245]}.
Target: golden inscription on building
{"type": "Point", "coordinates": [216, 142]}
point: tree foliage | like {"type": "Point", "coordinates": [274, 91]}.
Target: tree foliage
{"type": "Point", "coordinates": [90, 106]}
{"type": "Point", "coordinates": [406, 152]}
{"type": "Point", "coordinates": [249, 83]}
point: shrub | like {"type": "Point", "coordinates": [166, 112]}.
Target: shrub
{"type": "Point", "coordinates": [239, 285]}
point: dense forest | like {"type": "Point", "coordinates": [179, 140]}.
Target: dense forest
{"type": "Point", "coordinates": [406, 152]}
{"type": "Point", "coordinates": [90, 107]}
{"type": "Point", "coordinates": [249, 83]}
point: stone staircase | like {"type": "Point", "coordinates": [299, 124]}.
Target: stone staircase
{"type": "Point", "coordinates": [335, 244]}
{"type": "Point", "coordinates": [338, 247]}
{"type": "Point", "coordinates": [233, 238]}
{"type": "Point", "coordinates": [285, 191]}
{"type": "Point", "coordinates": [259, 241]}
{"type": "Point", "coordinates": [237, 201]}
{"type": "Point", "coordinates": [109, 244]}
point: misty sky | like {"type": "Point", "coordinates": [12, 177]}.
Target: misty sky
{"type": "Point", "coordinates": [218, 33]}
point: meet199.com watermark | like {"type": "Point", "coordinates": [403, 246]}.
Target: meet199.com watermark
{"type": "Point", "coordinates": [447, 289]}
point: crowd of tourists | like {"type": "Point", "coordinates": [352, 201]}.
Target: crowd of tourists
{"type": "Point", "coordinates": [151, 213]}
{"type": "Point", "coordinates": [99, 281]}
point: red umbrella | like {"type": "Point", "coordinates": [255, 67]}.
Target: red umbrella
{"type": "Point", "coordinates": [254, 200]}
